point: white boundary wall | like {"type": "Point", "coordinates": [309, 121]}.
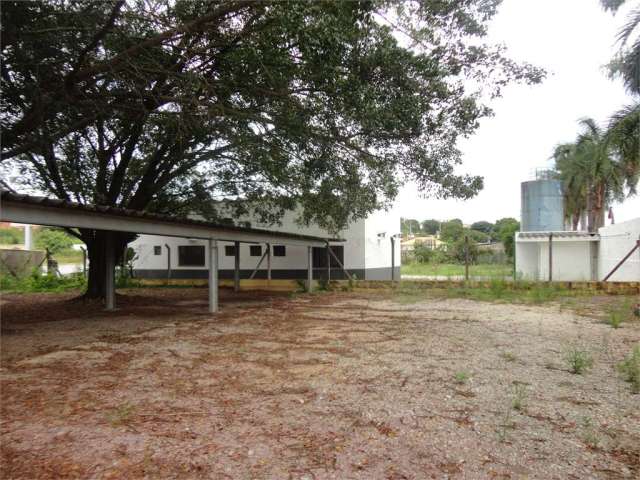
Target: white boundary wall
{"type": "Point", "coordinates": [615, 242]}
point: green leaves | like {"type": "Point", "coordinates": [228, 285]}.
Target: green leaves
{"type": "Point", "coordinates": [170, 106]}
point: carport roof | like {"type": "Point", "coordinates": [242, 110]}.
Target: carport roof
{"type": "Point", "coordinates": [36, 210]}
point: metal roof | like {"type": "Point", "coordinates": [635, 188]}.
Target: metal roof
{"type": "Point", "coordinates": [10, 199]}
{"type": "Point", "coordinates": [577, 235]}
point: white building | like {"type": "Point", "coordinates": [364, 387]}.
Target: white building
{"type": "Point", "coordinates": [371, 251]}
{"type": "Point", "coordinates": [580, 256]}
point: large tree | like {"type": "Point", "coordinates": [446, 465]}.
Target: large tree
{"type": "Point", "coordinates": [165, 106]}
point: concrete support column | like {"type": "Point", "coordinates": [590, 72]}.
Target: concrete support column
{"type": "Point", "coordinates": [268, 262]}
{"type": "Point", "coordinates": [213, 276]}
{"type": "Point", "coordinates": [28, 238]}
{"type": "Point", "coordinates": [236, 267]}
{"type": "Point", "coordinates": [109, 274]}
{"type": "Point", "coordinates": [309, 268]}
{"type": "Point", "coordinates": [393, 259]}
{"type": "Point", "coordinates": [550, 257]}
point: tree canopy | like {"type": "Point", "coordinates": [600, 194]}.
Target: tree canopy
{"type": "Point", "coordinates": [170, 105]}
{"type": "Point", "coordinates": [160, 105]}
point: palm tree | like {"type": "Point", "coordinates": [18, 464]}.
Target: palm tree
{"type": "Point", "coordinates": [627, 63]}
{"type": "Point", "coordinates": [593, 175]}
{"type": "Point", "coordinates": [623, 132]}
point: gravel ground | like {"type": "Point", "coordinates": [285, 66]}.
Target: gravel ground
{"type": "Point", "coordinates": [327, 386]}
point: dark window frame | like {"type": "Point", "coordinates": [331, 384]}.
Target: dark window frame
{"type": "Point", "coordinates": [255, 250]}
{"type": "Point", "coordinates": [191, 261]}
{"type": "Point", "coordinates": [157, 249]}
{"type": "Point", "coordinates": [229, 250]}
{"type": "Point", "coordinates": [320, 256]}
{"type": "Point", "coordinates": [279, 250]}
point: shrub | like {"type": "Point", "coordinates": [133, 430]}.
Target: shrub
{"type": "Point", "coordinates": [630, 369]}
{"type": "Point", "coordinates": [36, 282]}
{"type": "Point", "coordinates": [461, 377]}
{"type": "Point", "coordinates": [10, 236]}
{"type": "Point", "coordinates": [53, 240]}
{"type": "Point", "coordinates": [579, 361]}
{"type": "Point", "coordinates": [456, 251]}
{"type": "Point", "coordinates": [422, 253]}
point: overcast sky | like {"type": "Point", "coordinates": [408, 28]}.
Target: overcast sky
{"type": "Point", "coordinates": [572, 40]}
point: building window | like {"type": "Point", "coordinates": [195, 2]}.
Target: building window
{"type": "Point", "coordinates": [191, 255]}
{"type": "Point", "coordinates": [255, 250]}
{"type": "Point", "coordinates": [320, 256]}
{"type": "Point", "coordinates": [157, 250]}
{"type": "Point", "coordinates": [279, 251]}
{"type": "Point", "coordinates": [230, 250]}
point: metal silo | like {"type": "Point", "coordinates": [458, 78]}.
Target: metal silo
{"type": "Point", "coordinates": [542, 206]}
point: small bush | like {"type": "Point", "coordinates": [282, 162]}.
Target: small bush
{"type": "Point", "coordinates": [461, 377]}
{"type": "Point", "coordinates": [53, 240]}
{"type": "Point", "coordinates": [619, 313]}
{"type": "Point", "coordinates": [579, 361]}
{"type": "Point", "coordinates": [630, 369]}
{"type": "Point", "coordinates": [519, 396]}
{"type": "Point", "coordinates": [615, 319]}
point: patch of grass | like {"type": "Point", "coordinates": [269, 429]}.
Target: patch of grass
{"type": "Point", "coordinates": [456, 270]}
{"type": "Point", "coordinates": [41, 283]}
{"type": "Point", "coordinates": [630, 369]}
{"type": "Point", "coordinates": [121, 415]}
{"type": "Point", "coordinates": [461, 377]}
{"type": "Point", "coordinates": [508, 356]}
{"type": "Point", "coordinates": [578, 360]}
{"type": "Point", "coordinates": [69, 255]}
{"type": "Point", "coordinates": [589, 433]}
{"type": "Point", "coordinates": [619, 312]}
{"type": "Point", "coordinates": [520, 395]}
{"type": "Point", "coordinates": [505, 425]}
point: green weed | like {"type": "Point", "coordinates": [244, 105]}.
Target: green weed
{"type": "Point", "coordinates": [508, 356]}
{"type": "Point", "coordinates": [630, 369]}
{"type": "Point", "coordinates": [578, 360]}
{"type": "Point", "coordinates": [461, 377]}
{"type": "Point", "coordinates": [589, 433]}
{"type": "Point", "coordinates": [36, 282]}
{"type": "Point", "coordinates": [519, 396]}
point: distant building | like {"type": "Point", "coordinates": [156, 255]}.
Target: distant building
{"type": "Point", "coordinates": [430, 241]}
{"type": "Point", "coordinates": [371, 251]}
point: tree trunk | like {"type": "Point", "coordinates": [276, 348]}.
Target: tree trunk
{"type": "Point", "coordinates": [96, 241]}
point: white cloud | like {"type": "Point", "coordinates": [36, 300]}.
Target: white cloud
{"type": "Point", "coordinates": [572, 40]}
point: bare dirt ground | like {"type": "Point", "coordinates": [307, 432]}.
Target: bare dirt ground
{"type": "Point", "coordinates": [327, 386]}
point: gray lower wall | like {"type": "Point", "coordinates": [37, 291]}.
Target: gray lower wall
{"type": "Point", "coordinates": [289, 274]}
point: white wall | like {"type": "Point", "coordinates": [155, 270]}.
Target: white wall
{"type": "Point", "coordinates": [363, 249]}
{"type": "Point", "coordinates": [615, 242]}
{"type": "Point", "coordinates": [379, 227]}
{"type": "Point", "coordinates": [527, 260]}
{"type": "Point", "coordinates": [571, 261]}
